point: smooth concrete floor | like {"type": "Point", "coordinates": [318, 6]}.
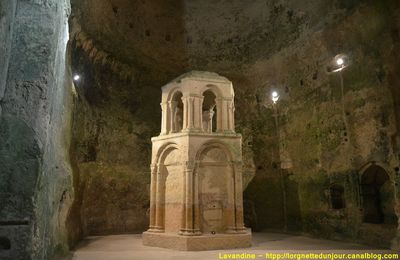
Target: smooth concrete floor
{"type": "Point", "coordinates": [130, 247]}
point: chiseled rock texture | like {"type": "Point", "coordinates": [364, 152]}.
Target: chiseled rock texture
{"type": "Point", "coordinates": [35, 120]}
{"type": "Point", "coordinates": [324, 146]}
{"type": "Point", "coordinates": [7, 12]}
{"type": "Point", "coordinates": [114, 119]}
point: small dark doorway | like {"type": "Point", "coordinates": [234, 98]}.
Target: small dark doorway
{"type": "Point", "coordinates": [376, 196]}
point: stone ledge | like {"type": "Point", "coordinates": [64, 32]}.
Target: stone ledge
{"type": "Point", "coordinates": [197, 243]}
{"type": "Point", "coordinates": [225, 135]}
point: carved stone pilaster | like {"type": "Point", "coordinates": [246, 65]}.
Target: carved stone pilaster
{"type": "Point", "coordinates": [153, 182]}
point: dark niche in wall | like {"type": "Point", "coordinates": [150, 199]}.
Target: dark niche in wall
{"type": "Point", "coordinates": [336, 192]}
{"type": "Point", "coordinates": [377, 196]}
{"type": "Point", "coordinates": [5, 243]}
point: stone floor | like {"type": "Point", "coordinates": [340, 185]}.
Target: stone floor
{"type": "Point", "coordinates": [130, 247]}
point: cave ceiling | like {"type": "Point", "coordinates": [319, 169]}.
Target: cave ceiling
{"type": "Point", "coordinates": [176, 36]}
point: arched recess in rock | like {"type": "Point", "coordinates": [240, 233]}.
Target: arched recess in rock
{"type": "Point", "coordinates": [377, 196]}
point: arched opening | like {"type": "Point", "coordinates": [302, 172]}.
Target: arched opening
{"type": "Point", "coordinates": [176, 112]}
{"type": "Point", "coordinates": [336, 192]}
{"type": "Point", "coordinates": [377, 196]}
{"type": "Point", "coordinates": [209, 112]}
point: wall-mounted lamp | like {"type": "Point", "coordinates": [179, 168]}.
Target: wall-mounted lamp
{"type": "Point", "coordinates": [76, 77]}
{"type": "Point", "coordinates": [275, 96]}
{"type": "Point", "coordinates": [338, 63]}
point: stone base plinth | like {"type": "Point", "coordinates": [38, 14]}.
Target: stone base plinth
{"type": "Point", "coordinates": [197, 243]}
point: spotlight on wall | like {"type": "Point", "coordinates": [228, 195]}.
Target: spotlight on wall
{"type": "Point", "coordinates": [338, 63]}
{"type": "Point", "coordinates": [76, 77]}
{"type": "Point", "coordinates": [275, 96]}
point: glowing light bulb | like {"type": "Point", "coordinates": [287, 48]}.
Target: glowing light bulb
{"type": "Point", "coordinates": [76, 77]}
{"type": "Point", "coordinates": [340, 61]}
{"type": "Point", "coordinates": [275, 96]}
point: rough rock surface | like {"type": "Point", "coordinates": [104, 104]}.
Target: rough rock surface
{"type": "Point", "coordinates": [260, 46]}
{"type": "Point", "coordinates": [326, 145]}
{"type": "Point", "coordinates": [7, 12]}
{"type": "Point", "coordinates": [35, 175]}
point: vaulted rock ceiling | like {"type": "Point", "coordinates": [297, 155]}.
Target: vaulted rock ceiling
{"type": "Point", "coordinates": [215, 35]}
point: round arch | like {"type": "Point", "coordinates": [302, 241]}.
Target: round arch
{"type": "Point", "coordinates": [213, 144]}
{"type": "Point", "coordinates": [164, 150]}
{"type": "Point", "coordinates": [171, 93]}
{"type": "Point", "coordinates": [377, 194]}
{"type": "Point", "coordinates": [213, 88]}
{"type": "Point", "coordinates": [384, 166]}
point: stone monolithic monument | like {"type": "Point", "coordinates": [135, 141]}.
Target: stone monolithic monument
{"type": "Point", "coordinates": [196, 198]}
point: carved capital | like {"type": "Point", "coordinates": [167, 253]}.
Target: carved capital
{"type": "Point", "coordinates": [172, 104]}
{"type": "Point", "coordinates": [189, 165]}
{"type": "Point", "coordinates": [153, 168]}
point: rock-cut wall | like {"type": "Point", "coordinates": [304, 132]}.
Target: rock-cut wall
{"type": "Point", "coordinates": [35, 105]}
{"type": "Point", "coordinates": [7, 12]}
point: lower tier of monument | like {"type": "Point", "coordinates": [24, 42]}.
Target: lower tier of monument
{"type": "Point", "coordinates": [197, 243]}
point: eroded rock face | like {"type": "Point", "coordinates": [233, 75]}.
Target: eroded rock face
{"type": "Point", "coordinates": [7, 11]}
{"type": "Point", "coordinates": [35, 100]}
{"type": "Point", "coordinates": [114, 120]}
{"type": "Point", "coordinates": [325, 144]}
{"type": "Point", "coordinates": [126, 50]}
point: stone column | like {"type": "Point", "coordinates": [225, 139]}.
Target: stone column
{"type": "Point", "coordinates": [225, 115]}
{"type": "Point", "coordinates": [201, 112]}
{"type": "Point", "coordinates": [153, 197]}
{"type": "Point", "coordinates": [237, 167]}
{"type": "Point", "coordinates": [185, 113]}
{"type": "Point", "coordinates": [196, 201]}
{"type": "Point", "coordinates": [164, 119]}
{"type": "Point", "coordinates": [219, 104]}
{"type": "Point", "coordinates": [198, 113]}
{"type": "Point", "coordinates": [189, 227]}
{"type": "Point", "coordinates": [231, 208]}
{"type": "Point", "coordinates": [231, 116]}
{"type": "Point", "coordinates": [159, 212]}
{"type": "Point", "coordinates": [191, 112]}
{"type": "Point", "coordinates": [171, 107]}
{"type": "Point", "coordinates": [183, 213]}
{"type": "Point", "coordinates": [189, 199]}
